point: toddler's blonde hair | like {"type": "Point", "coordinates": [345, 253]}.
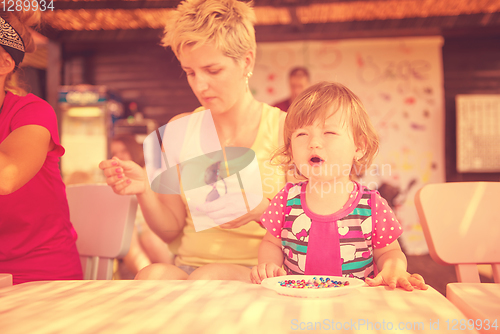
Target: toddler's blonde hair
{"type": "Point", "coordinates": [317, 102]}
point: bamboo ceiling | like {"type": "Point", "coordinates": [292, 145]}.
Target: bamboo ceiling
{"type": "Point", "coordinates": [92, 15]}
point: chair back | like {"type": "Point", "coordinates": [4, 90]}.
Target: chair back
{"type": "Point", "coordinates": [5, 280]}
{"type": "Point", "coordinates": [461, 224]}
{"type": "Point", "coordinates": [104, 222]}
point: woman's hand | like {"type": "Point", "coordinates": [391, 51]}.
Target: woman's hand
{"type": "Point", "coordinates": [227, 215]}
{"type": "Point", "coordinates": [125, 177]}
{"type": "Point", "coordinates": [265, 270]}
{"type": "Point", "coordinates": [398, 278]}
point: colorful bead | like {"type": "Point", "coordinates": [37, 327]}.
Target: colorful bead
{"type": "Point", "coordinates": [315, 283]}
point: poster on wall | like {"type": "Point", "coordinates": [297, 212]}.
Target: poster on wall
{"type": "Point", "coordinates": [400, 82]}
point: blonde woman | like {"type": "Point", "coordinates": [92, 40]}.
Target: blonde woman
{"type": "Point", "coordinates": [37, 240]}
{"type": "Point", "coordinates": [214, 41]}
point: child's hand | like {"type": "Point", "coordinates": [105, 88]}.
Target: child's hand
{"type": "Point", "coordinates": [395, 278]}
{"type": "Point", "coordinates": [265, 270]}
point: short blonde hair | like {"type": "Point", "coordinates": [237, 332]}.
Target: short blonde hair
{"type": "Point", "coordinates": [315, 103]}
{"type": "Point", "coordinates": [226, 23]}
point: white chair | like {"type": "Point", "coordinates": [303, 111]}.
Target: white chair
{"type": "Point", "coordinates": [5, 280]}
{"type": "Point", "coordinates": [104, 222]}
{"type": "Point", "coordinates": [461, 224]}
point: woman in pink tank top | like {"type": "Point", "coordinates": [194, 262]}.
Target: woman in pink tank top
{"type": "Point", "coordinates": [37, 240]}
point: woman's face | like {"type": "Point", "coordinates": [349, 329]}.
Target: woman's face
{"type": "Point", "coordinates": [217, 80]}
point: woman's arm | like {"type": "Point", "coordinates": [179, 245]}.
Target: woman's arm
{"type": "Point", "coordinates": [164, 214]}
{"type": "Point", "coordinates": [270, 259]}
{"type": "Point", "coordinates": [22, 155]}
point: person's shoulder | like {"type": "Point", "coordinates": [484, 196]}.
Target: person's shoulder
{"type": "Point", "coordinates": [28, 106]}
{"type": "Point", "coordinates": [178, 116]}
{"type": "Point", "coordinates": [271, 109]}
{"type": "Point", "coordinates": [273, 112]}
{"type": "Point", "coordinates": [20, 101]}
{"type": "Point", "coordinates": [375, 197]}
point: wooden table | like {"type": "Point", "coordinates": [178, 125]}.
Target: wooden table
{"type": "Point", "coordinates": [214, 307]}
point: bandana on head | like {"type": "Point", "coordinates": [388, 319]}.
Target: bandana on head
{"type": "Point", "coordinates": [11, 42]}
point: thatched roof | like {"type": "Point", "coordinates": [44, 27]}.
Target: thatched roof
{"type": "Point", "coordinates": [72, 15]}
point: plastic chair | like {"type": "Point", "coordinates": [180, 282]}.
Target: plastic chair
{"type": "Point", "coordinates": [5, 280]}
{"type": "Point", "coordinates": [461, 224]}
{"type": "Point", "coordinates": [104, 222]}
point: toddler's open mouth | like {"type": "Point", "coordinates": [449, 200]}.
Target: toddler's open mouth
{"type": "Point", "coordinates": [316, 160]}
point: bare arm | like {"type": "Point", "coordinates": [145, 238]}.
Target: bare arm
{"type": "Point", "coordinates": [165, 214]}
{"type": "Point", "coordinates": [22, 155]}
{"type": "Point", "coordinates": [392, 265]}
{"type": "Point", "coordinates": [270, 259]}
{"type": "Point", "coordinates": [390, 257]}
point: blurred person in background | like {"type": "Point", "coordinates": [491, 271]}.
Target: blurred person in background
{"type": "Point", "coordinates": [299, 80]}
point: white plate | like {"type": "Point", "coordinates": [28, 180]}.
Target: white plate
{"type": "Point", "coordinates": [273, 284]}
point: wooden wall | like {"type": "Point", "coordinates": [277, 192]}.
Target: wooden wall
{"type": "Point", "coordinates": [144, 73]}
{"type": "Point", "coordinates": [471, 65]}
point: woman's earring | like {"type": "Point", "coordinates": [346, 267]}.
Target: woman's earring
{"type": "Point", "coordinates": [248, 76]}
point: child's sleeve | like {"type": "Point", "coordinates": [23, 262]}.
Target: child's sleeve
{"type": "Point", "coordinates": [386, 227]}
{"type": "Point", "coordinates": [273, 217]}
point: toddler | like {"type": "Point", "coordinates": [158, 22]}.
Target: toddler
{"type": "Point", "coordinates": [330, 224]}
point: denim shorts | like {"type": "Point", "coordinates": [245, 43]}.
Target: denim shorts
{"type": "Point", "coordinates": [187, 269]}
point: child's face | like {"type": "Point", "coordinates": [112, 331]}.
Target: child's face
{"type": "Point", "coordinates": [325, 152]}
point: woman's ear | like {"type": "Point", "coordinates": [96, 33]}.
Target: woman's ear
{"type": "Point", "coordinates": [249, 61]}
{"type": "Point", "coordinates": [7, 64]}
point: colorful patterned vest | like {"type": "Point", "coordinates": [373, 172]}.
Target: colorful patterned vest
{"type": "Point", "coordinates": [354, 230]}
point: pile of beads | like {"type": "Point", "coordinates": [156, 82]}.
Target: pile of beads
{"type": "Point", "coordinates": [315, 283]}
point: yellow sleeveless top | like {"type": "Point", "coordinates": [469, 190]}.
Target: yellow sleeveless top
{"type": "Point", "coordinates": [240, 245]}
